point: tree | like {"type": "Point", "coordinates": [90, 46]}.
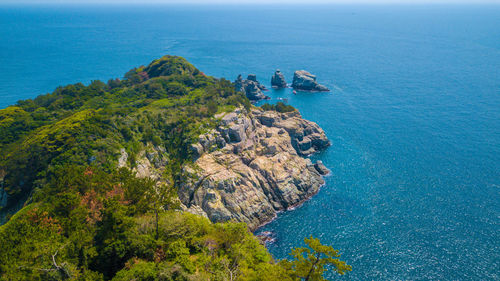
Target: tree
{"type": "Point", "coordinates": [162, 196]}
{"type": "Point", "coordinates": [309, 262]}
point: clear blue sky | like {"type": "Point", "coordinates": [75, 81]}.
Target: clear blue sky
{"type": "Point", "coordinates": [254, 1]}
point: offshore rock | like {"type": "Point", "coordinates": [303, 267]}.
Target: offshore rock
{"type": "Point", "coordinates": [321, 168]}
{"type": "Point", "coordinates": [251, 166]}
{"type": "Point", "coordinates": [251, 87]}
{"type": "Point", "coordinates": [278, 80]}
{"type": "Point", "coordinates": [305, 81]}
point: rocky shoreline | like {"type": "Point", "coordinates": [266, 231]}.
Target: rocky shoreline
{"type": "Point", "coordinates": [249, 168]}
{"type": "Point", "coordinates": [252, 167]}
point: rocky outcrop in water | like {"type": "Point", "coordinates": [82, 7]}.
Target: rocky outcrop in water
{"type": "Point", "coordinates": [321, 168]}
{"type": "Point", "coordinates": [251, 87]}
{"type": "Point", "coordinates": [278, 80]}
{"type": "Point", "coordinates": [305, 81]}
{"type": "Point", "coordinates": [251, 166]}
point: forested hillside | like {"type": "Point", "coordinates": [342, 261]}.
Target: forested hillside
{"type": "Point", "coordinates": [86, 219]}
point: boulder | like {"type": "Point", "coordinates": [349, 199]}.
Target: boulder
{"type": "Point", "coordinates": [236, 133]}
{"type": "Point", "coordinates": [305, 81]}
{"type": "Point", "coordinates": [278, 80]}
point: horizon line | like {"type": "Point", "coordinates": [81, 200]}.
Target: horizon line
{"type": "Point", "coordinates": [248, 2]}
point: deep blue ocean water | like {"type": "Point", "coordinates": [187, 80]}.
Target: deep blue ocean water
{"type": "Point", "coordinates": [414, 116]}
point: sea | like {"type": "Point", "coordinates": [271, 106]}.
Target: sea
{"type": "Point", "coordinates": [413, 115]}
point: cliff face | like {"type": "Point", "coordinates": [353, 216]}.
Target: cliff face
{"type": "Point", "coordinates": [251, 167]}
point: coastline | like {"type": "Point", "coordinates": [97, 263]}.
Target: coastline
{"type": "Point", "coordinates": [293, 207]}
{"type": "Point", "coordinates": [266, 168]}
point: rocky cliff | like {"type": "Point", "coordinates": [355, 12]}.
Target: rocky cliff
{"type": "Point", "coordinates": [251, 166]}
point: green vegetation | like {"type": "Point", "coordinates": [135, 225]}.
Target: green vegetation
{"type": "Point", "coordinates": [85, 219]}
{"type": "Point", "coordinates": [166, 103]}
{"type": "Point", "coordinates": [309, 262]}
{"type": "Point", "coordinates": [279, 107]}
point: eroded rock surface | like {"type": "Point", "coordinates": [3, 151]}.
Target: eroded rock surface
{"type": "Point", "coordinates": [251, 87]}
{"type": "Point", "coordinates": [321, 168]}
{"type": "Point", "coordinates": [305, 81]}
{"type": "Point", "coordinates": [251, 167]}
{"type": "Point", "coordinates": [278, 80]}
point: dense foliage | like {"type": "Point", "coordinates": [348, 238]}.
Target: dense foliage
{"type": "Point", "coordinates": [166, 103]}
{"type": "Point", "coordinates": [85, 219]}
{"type": "Point", "coordinates": [279, 107]}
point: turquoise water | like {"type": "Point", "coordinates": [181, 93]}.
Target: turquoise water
{"type": "Point", "coordinates": [414, 117]}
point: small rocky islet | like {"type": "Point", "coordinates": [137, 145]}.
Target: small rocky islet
{"type": "Point", "coordinates": [302, 81]}
{"type": "Point", "coordinates": [278, 80]}
{"type": "Point", "coordinates": [305, 81]}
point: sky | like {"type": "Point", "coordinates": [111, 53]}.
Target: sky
{"type": "Point", "coordinates": [251, 1]}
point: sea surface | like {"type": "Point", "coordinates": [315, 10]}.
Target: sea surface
{"type": "Point", "coordinates": [414, 115]}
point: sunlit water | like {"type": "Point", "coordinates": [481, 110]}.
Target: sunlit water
{"type": "Point", "coordinates": [414, 115]}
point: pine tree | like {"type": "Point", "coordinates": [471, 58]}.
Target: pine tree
{"type": "Point", "coordinates": [309, 263]}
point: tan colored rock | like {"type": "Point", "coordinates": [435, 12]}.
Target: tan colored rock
{"type": "Point", "coordinates": [247, 169]}
{"type": "Point", "coordinates": [122, 161]}
{"type": "Point", "coordinates": [258, 169]}
{"type": "Point", "coordinates": [149, 163]}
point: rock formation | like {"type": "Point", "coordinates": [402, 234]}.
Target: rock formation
{"type": "Point", "coordinates": [251, 87]}
{"type": "Point", "coordinates": [278, 80]}
{"type": "Point", "coordinates": [305, 81]}
{"type": "Point", "coordinates": [250, 167]}
{"type": "Point", "coordinates": [321, 168]}
{"type": "Point", "coordinates": [247, 169]}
